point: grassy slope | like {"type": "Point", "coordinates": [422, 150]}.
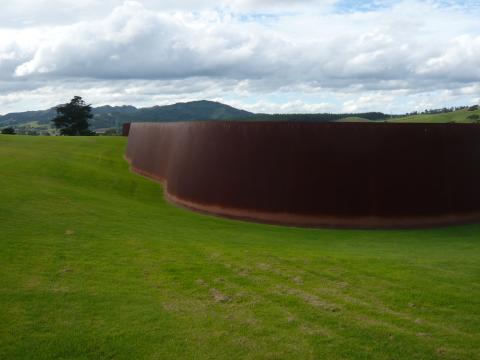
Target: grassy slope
{"type": "Point", "coordinates": [95, 264]}
{"type": "Point", "coordinates": [459, 116]}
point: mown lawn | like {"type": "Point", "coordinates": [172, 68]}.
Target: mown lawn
{"type": "Point", "coordinates": [94, 264]}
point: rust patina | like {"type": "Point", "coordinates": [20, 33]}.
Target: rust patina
{"type": "Point", "coordinates": [359, 175]}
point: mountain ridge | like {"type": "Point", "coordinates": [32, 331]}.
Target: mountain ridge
{"type": "Point", "coordinates": [112, 117]}
{"type": "Point", "coordinates": [107, 116]}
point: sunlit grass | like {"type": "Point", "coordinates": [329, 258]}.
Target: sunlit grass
{"type": "Point", "coordinates": [95, 264]}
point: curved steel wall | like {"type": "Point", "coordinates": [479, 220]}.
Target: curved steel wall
{"type": "Point", "coordinates": [316, 174]}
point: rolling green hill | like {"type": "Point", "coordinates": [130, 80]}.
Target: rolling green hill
{"type": "Point", "coordinates": [95, 264]}
{"type": "Point", "coordinates": [459, 116]}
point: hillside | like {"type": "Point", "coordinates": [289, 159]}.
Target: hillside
{"type": "Point", "coordinates": [459, 116]}
{"type": "Point", "coordinates": [95, 264]}
{"type": "Point", "coordinates": [107, 117]}
{"type": "Point", "coordinates": [115, 116]}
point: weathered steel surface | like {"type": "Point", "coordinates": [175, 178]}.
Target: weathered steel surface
{"type": "Point", "coordinates": [125, 129]}
{"type": "Point", "coordinates": [316, 174]}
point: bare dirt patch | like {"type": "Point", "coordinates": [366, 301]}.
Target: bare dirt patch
{"type": "Point", "coordinates": [218, 296]}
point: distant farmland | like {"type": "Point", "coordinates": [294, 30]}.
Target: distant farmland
{"type": "Point", "coordinates": [459, 116]}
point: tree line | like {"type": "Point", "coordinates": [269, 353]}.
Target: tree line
{"type": "Point", "coordinates": [444, 110]}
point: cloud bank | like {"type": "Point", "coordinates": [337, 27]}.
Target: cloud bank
{"type": "Point", "coordinates": [267, 56]}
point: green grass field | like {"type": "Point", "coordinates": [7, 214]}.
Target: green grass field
{"type": "Point", "coordinates": [94, 264]}
{"type": "Point", "coordinates": [459, 116]}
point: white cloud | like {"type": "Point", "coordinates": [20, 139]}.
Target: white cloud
{"type": "Point", "coordinates": [26, 13]}
{"type": "Point", "coordinates": [291, 107]}
{"type": "Point", "coordinates": [460, 60]}
{"type": "Point", "coordinates": [363, 59]}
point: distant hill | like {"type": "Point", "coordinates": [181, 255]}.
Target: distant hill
{"type": "Point", "coordinates": [21, 118]}
{"type": "Point", "coordinates": [459, 116]}
{"type": "Point", "coordinates": [465, 114]}
{"type": "Point", "coordinates": [106, 117]}
{"type": "Point", "coordinates": [114, 116]}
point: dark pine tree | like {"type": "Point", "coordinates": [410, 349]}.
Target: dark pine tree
{"type": "Point", "coordinates": [8, 131]}
{"type": "Point", "coordinates": [72, 118]}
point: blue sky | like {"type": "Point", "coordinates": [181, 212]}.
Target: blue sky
{"type": "Point", "coordinates": [275, 56]}
{"type": "Point", "coordinates": [354, 5]}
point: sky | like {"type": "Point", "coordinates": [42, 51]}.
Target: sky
{"type": "Point", "coordinates": [272, 56]}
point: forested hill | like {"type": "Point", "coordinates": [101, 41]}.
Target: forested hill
{"type": "Point", "coordinates": [112, 117]}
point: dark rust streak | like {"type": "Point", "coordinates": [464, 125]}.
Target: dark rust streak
{"type": "Point", "coordinates": [126, 129]}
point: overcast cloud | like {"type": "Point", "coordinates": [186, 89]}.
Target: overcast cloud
{"type": "Point", "coordinates": [264, 56]}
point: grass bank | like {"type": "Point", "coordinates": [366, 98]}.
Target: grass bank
{"type": "Point", "coordinates": [94, 264]}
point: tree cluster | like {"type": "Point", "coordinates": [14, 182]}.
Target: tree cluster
{"type": "Point", "coordinates": [444, 110]}
{"type": "Point", "coordinates": [8, 131]}
{"type": "Point", "coordinates": [72, 118]}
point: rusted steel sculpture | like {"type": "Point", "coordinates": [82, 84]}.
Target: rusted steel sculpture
{"type": "Point", "coordinates": [359, 175]}
{"type": "Point", "coordinates": [125, 129]}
